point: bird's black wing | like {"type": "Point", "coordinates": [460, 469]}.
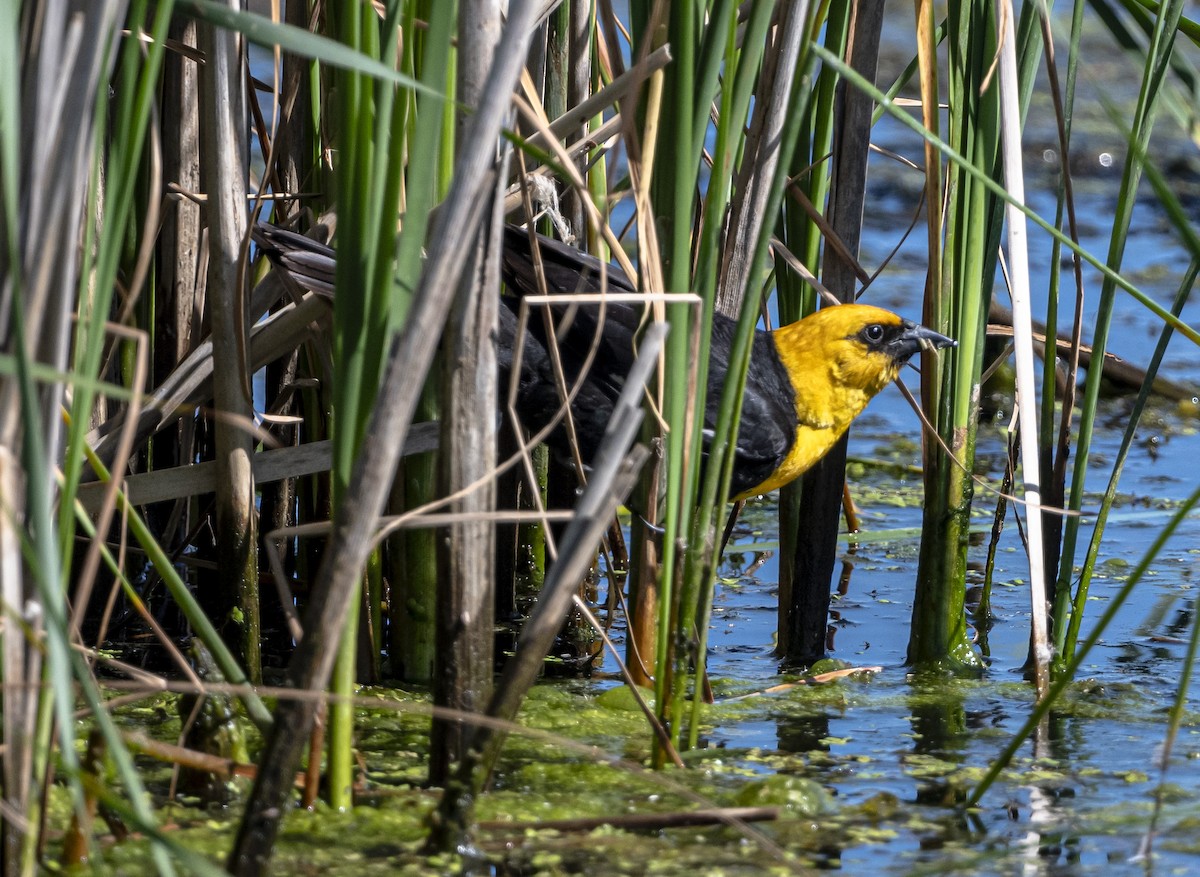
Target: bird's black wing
{"type": "Point", "coordinates": [566, 269]}
{"type": "Point", "coordinates": [768, 424]}
{"type": "Point", "coordinates": [610, 329]}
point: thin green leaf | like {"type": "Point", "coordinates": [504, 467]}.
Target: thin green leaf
{"type": "Point", "coordinates": [269, 34]}
{"type": "Point", "coordinates": [901, 114]}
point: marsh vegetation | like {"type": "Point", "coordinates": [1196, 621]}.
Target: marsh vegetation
{"type": "Point", "coordinates": [263, 546]}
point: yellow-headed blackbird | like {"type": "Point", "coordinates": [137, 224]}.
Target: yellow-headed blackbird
{"type": "Point", "coordinates": [807, 381]}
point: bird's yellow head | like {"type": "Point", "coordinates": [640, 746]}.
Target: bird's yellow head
{"type": "Point", "coordinates": [840, 357]}
{"type": "Point", "coordinates": [836, 360]}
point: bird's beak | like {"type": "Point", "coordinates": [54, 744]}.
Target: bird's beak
{"type": "Point", "coordinates": [915, 338]}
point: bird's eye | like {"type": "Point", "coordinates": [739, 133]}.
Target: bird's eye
{"type": "Point", "coordinates": [873, 333]}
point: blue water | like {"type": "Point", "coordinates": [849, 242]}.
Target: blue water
{"type": "Point", "coordinates": [893, 734]}
{"type": "Point", "coordinates": [1088, 811]}
{"type": "Point", "coordinates": [1090, 816]}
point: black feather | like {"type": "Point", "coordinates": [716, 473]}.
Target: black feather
{"type": "Point", "coordinates": [768, 420]}
{"type": "Point", "coordinates": [311, 262]}
{"type": "Point", "coordinates": [768, 405]}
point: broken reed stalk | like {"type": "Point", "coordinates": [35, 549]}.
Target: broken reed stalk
{"type": "Point", "coordinates": [411, 352]}
{"type": "Point", "coordinates": [612, 475]}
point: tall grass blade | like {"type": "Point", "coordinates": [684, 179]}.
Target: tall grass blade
{"type": "Point", "coordinates": [272, 34]}
{"type": "Point", "coordinates": [1191, 240]}
{"type": "Point", "coordinates": [223, 174]}
{"type": "Point", "coordinates": [772, 164]}
{"type": "Point", "coordinates": [1018, 262]}
{"type": "Point", "coordinates": [45, 164]}
{"type": "Point", "coordinates": [1157, 65]}
{"type": "Point", "coordinates": [411, 353]}
{"type": "Point", "coordinates": [466, 600]}
{"type": "Point", "coordinates": [958, 305]}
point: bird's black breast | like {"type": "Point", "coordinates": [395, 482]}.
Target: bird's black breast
{"type": "Point", "coordinates": [768, 424]}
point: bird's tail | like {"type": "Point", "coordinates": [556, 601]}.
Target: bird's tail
{"type": "Point", "coordinates": [309, 261]}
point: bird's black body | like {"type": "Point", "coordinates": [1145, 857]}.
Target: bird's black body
{"type": "Point", "coordinates": [768, 405]}
{"type": "Point", "coordinates": [806, 381]}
